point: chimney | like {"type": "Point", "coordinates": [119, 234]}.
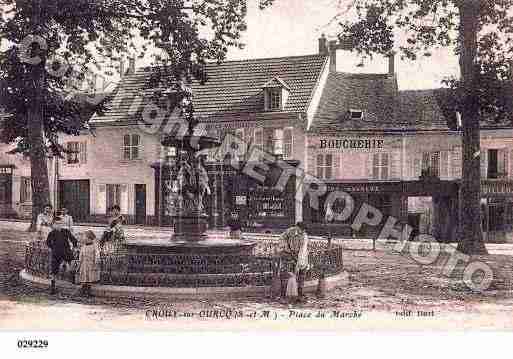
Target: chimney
{"type": "Point", "coordinates": [323, 45]}
{"type": "Point", "coordinates": [131, 65]}
{"type": "Point", "coordinates": [333, 46]}
{"type": "Point", "coordinates": [121, 68]}
{"type": "Point", "coordinates": [391, 63]}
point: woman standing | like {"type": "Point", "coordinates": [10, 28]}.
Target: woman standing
{"type": "Point", "coordinates": [44, 223]}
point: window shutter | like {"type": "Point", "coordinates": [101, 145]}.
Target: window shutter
{"type": "Point", "coordinates": [484, 162]}
{"type": "Point", "coordinates": [101, 199]}
{"type": "Point", "coordinates": [395, 165]}
{"type": "Point", "coordinates": [417, 165]}
{"type": "Point", "coordinates": [319, 162]}
{"type": "Point", "coordinates": [125, 148]}
{"type": "Point", "coordinates": [83, 152]}
{"type": "Point", "coordinates": [511, 164]}
{"type": "Point", "coordinates": [288, 142]}
{"type": "Point", "coordinates": [505, 154]}
{"type": "Point", "coordinates": [502, 165]}
{"type": "Point", "coordinates": [259, 138]}
{"type": "Point", "coordinates": [336, 166]}
{"type": "Point", "coordinates": [444, 163]}
{"type": "Point", "coordinates": [456, 163]}
{"type": "Point", "coordinates": [137, 144]}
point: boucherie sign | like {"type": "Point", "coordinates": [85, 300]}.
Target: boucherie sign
{"type": "Point", "coordinates": [351, 144]}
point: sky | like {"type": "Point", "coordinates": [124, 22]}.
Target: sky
{"type": "Point", "coordinates": [293, 27]}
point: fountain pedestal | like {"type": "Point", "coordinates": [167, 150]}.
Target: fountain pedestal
{"type": "Point", "coordinates": [190, 228]}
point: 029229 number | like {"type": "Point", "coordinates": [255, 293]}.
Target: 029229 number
{"type": "Point", "coordinates": [32, 343]}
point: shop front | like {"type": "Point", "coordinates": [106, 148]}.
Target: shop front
{"type": "Point", "coordinates": [261, 207]}
{"type": "Point", "coordinates": [390, 199]}
{"type": "Point", "coordinates": [497, 210]}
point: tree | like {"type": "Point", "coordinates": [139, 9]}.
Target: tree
{"type": "Point", "coordinates": [41, 39]}
{"type": "Point", "coordinates": [480, 32]}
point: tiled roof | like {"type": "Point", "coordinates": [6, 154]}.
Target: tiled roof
{"type": "Point", "coordinates": [383, 106]}
{"type": "Point", "coordinates": [233, 87]}
{"type": "Point", "coordinates": [276, 82]}
{"type": "Point", "coordinates": [420, 110]}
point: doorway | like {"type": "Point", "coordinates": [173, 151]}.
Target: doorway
{"type": "Point", "coordinates": [74, 195]}
{"type": "Point", "coordinates": [140, 204]}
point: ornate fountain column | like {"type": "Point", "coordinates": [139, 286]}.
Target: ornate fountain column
{"type": "Point", "coordinates": [190, 221]}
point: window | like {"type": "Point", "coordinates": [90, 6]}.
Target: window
{"type": "Point", "coordinates": [26, 190]}
{"type": "Point", "coordinates": [431, 164]}
{"type": "Point", "coordinates": [77, 153]}
{"type": "Point", "coordinates": [325, 166]}
{"type": "Point", "coordinates": [356, 114]}
{"type": "Point", "coordinates": [131, 144]}
{"type": "Point", "coordinates": [380, 166]}
{"type": "Point", "coordinates": [73, 151]}
{"type": "Point", "coordinates": [497, 163]}
{"type": "Point", "coordinates": [287, 142]}
{"type": "Point", "coordinates": [273, 98]}
{"type": "Point", "coordinates": [113, 195]}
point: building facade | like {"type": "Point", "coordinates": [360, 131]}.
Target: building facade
{"type": "Point", "coordinates": [357, 133]}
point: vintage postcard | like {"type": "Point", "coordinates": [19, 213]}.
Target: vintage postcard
{"type": "Point", "coordinates": [232, 165]}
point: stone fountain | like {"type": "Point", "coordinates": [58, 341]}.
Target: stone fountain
{"type": "Point", "coordinates": [190, 222]}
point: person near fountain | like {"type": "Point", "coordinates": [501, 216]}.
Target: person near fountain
{"type": "Point", "coordinates": [67, 219]}
{"type": "Point", "coordinates": [58, 241]}
{"type": "Point", "coordinates": [89, 263]}
{"type": "Point", "coordinates": [235, 226]}
{"type": "Point", "coordinates": [44, 223]}
{"type": "Point", "coordinates": [294, 246]}
{"type": "Point", "coordinates": [114, 233]}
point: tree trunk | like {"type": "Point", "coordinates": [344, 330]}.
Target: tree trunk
{"type": "Point", "coordinates": [471, 236]}
{"type": "Point", "coordinates": [38, 158]}
{"type": "Point", "coordinates": [38, 165]}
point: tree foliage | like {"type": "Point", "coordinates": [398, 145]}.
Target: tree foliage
{"type": "Point", "coordinates": [69, 38]}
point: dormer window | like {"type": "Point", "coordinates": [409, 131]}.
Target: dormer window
{"type": "Point", "coordinates": [274, 99]}
{"type": "Point", "coordinates": [276, 93]}
{"type": "Point", "coordinates": [355, 114]}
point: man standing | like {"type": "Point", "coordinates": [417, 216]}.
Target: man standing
{"type": "Point", "coordinates": [58, 241]}
{"type": "Point", "coordinates": [294, 246]}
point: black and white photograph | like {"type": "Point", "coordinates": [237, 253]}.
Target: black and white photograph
{"type": "Point", "coordinates": [255, 165]}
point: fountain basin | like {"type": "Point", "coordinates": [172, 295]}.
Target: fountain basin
{"type": "Point", "coordinates": [208, 246]}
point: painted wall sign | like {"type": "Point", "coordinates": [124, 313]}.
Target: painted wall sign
{"type": "Point", "coordinates": [351, 144]}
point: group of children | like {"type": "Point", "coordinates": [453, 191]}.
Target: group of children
{"type": "Point", "coordinates": [57, 231]}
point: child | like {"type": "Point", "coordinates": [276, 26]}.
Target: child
{"type": "Point", "coordinates": [89, 263]}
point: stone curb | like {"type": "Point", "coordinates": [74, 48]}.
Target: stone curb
{"type": "Point", "coordinates": [113, 291]}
